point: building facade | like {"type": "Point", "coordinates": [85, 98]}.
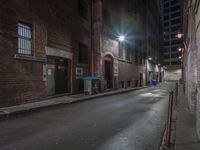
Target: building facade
{"type": "Point", "coordinates": [171, 27]}
{"type": "Point", "coordinates": [41, 53]}
{"type": "Point", "coordinates": [153, 46]}
{"type": "Point", "coordinates": [48, 47]}
{"type": "Point", "coordinates": [191, 56]}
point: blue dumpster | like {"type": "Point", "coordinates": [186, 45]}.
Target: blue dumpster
{"type": "Point", "coordinates": [154, 82]}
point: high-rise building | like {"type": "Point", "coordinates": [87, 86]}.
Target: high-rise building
{"type": "Point", "coordinates": [171, 27]}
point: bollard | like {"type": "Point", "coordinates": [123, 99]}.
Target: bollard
{"type": "Point", "coordinates": [176, 94]}
{"type": "Point", "coordinates": [169, 119]}
{"type": "Point", "coordinates": [177, 88]}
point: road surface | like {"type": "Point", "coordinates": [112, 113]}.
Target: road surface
{"type": "Point", "coordinates": [130, 121]}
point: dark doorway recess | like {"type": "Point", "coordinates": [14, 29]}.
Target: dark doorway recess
{"type": "Point", "coordinates": [61, 76]}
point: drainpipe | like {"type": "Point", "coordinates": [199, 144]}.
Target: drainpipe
{"type": "Point", "coordinates": [92, 48]}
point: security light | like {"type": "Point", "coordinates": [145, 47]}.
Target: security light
{"type": "Point", "coordinates": [150, 58]}
{"type": "Point", "coordinates": [179, 35]}
{"type": "Point", "coordinates": [121, 38]}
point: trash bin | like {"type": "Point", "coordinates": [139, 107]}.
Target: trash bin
{"type": "Point", "coordinates": [154, 82]}
{"type": "Point", "coordinates": [91, 85]}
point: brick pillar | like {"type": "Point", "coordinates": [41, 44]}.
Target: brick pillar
{"type": "Point", "coordinates": [97, 31]}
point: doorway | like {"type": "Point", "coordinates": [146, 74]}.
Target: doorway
{"type": "Point", "coordinates": [57, 76]}
{"type": "Point", "coordinates": [61, 76]}
{"type": "Point", "coordinates": [141, 79]}
{"type": "Point", "coordinates": [108, 72]}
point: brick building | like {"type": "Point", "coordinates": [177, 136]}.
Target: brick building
{"type": "Point", "coordinates": [47, 47]}
{"type": "Point", "coordinates": [40, 52]}
{"type": "Point", "coordinates": [129, 59]}
{"type": "Point", "coordinates": [191, 56]}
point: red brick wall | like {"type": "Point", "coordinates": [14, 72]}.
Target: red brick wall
{"type": "Point", "coordinates": [20, 80]}
{"type": "Point", "coordinates": [56, 24]}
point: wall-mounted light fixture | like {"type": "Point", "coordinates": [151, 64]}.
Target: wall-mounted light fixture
{"type": "Point", "coordinates": [121, 38]}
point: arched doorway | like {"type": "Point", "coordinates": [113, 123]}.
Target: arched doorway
{"type": "Point", "coordinates": [108, 71]}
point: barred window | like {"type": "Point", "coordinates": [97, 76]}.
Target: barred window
{"type": "Point", "coordinates": [24, 39]}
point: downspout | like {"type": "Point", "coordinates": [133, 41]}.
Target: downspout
{"type": "Point", "coordinates": [92, 49]}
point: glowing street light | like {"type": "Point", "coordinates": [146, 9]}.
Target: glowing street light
{"type": "Point", "coordinates": [180, 57]}
{"type": "Point", "coordinates": [179, 35]}
{"type": "Point", "coordinates": [150, 58]}
{"type": "Point", "coordinates": [121, 38]}
{"type": "Point", "coordinates": [180, 49]}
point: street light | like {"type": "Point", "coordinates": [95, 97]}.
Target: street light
{"type": "Point", "coordinates": [121, 38]}
{"type": "Point", "coordinates": [150, 58]}
{"type": "Point", "coordinates": [179, 35]}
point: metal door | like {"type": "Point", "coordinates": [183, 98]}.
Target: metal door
{"type": "Point", "coordinates": [50, 83]}
{"type": "Point", "coordinates": [61, 76]}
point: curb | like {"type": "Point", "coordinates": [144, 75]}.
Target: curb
{"type": "Point", "coordinates": [26, 108]}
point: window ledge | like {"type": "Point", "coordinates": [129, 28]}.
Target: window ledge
{"type": "Point", "coordinates": [141, 64]}
{"type": "Point", "coordinates": [123, 60]}
{"type": "Point", "coordinates": [29, 58]}
{"type": "Point", "coordinates": [81, 65]}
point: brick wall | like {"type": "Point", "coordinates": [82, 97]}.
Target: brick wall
{"type": "Point", "coordinates": [198, 70]}
{"type": "Point", "coordinates": [191, 65]}
{"type": "Point", "coordinates": [173, 74]}
{"type": "Point", "coordinates": [192, 57]}
{"type": "Point", "coordinates": [21, 79]}
{"type": "Point", "coordinates": [55, 24]}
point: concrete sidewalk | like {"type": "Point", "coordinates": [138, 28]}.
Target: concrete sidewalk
{"type": "Point", "coordinates": [183, 133]}
{"type": "Point", "coordinates": [51, 102]}
{"type": "Point", "coordinates": [186, 136]}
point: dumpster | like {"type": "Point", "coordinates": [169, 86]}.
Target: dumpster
{"type": "Point", "coordinates": [91, 85]}
{"type": "Point", "coordinates": [154, 82]}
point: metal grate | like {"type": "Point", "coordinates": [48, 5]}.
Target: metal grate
{"type": "Point", "coordinates": [24, 39]}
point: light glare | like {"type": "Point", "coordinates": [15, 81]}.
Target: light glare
{"type": "Point", "coordinates": [179, 35]}
{"type": "Point", "coordinates": [121, 38]}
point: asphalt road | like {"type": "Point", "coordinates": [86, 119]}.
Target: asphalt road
{"type": "Point", "coordinates": [130, 121]}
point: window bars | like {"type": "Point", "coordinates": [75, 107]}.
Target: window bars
{"type": "Point", "coordinates": [24, 39]}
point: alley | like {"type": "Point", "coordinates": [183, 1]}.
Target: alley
{"type": "Point", "coordinates": [130, 121]}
